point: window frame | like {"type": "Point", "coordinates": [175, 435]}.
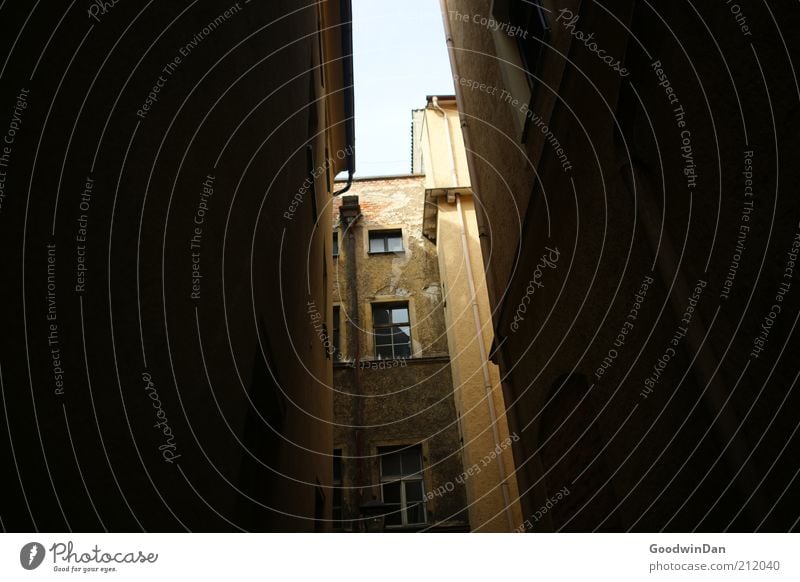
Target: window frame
{"type": "Point", "coordinates": [391, 305]}
{"type": "Point", "coordinates": [535, 67]}
{"type": "Point", "coordinates": [384, 233]}
{"type": "Point", "coordinates": [337, 487]}
{"type": "Point", "coordinates": [336, 333]}
{"type": "Point", "coordinates": [335, 244]}
{"type": "Point", "coordinates": [517, 77]}
{"type": "Point", "coordinates": [417, 477]}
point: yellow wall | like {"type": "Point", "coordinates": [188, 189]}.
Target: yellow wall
{"type": "Point", "coordinates": [485, 496]}
{"type": "Point", "coordinates": [435, 152]}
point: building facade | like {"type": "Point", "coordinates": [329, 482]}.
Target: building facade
{"type": "Point", "coordinates": [160, 370]}
{"type": "Point", "coordinates": [396, 433]}
{"type": "Point", "coordinates": [449, 222]}
{"type": "Point", "coordinates": [636, 240]}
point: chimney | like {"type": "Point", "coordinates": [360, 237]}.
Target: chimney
{"type": "Point", "coordinates": [349, 210]}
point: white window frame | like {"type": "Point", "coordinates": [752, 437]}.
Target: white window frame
{"type": "Point", "coordinates": [387, 229]}
{"type": "Point", "coordinates": [390, 304]}
{"type": "Point", "coordinates": [417, 477]}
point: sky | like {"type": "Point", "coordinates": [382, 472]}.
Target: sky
{"type": "Point", "coordinates": [399, 57]}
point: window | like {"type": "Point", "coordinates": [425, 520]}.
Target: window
{"type": "Point", "coordinates": [336, 338]}
{"type": "Point", "coordinates": [520, 56]}
{"type": "Point", "coordinates": [335, 244]}
{"type": "Point", "coordinates": [319, 508]}
{"type": "Point", "coordinates": [312, 194]}
{"type": "Point", "coordinates": [528, 15]}
{"type": "Point", "coordinates": [386, 241]}
{"type": "Point", "coordinates": [320, 45]}
{"type": "Point", "coordinates": [336, 500]}
{"type": "Point", "coordinates": [402, 486]}
{"type": "Point", "coordinates": [392, 330]}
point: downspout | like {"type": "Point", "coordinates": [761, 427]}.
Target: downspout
{"type": "Point", "coordinates": [349, 215]}
{"type": "Point", "coordinates": [448, 33]}
{"type": "Point", "coordinates": [347, 186]}
{"type": "Point", "coordinates": [346, 20]}
{"type": "Point", "coordinates": [353, 332]}
{"type": "Point", "coordinates": [487, 382]}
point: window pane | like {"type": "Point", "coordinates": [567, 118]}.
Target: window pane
{"type": "Point", "coordinates": [401, 335]}
{"type": "Point", "coordinates": [391, 492]}
{"type": "Point", "coordinates": [383, 337]}
{"type": "Point", "coordinates": [393, 516]}
{"type": "Point", "coordinates": [384, 352]}
{"type": "Point", "coordinates": [392, 330]}
{"type": "Point", "coordinates": [380, 315]}
{"type": "Point", "coordinates": [395, 243]}
{"type": "Point", "coordinates": [376, 244]}
{"type": "Point", "coordinates": [414, 491]}
{"type": "Point", "coordinates": [335, 244]}
{"type": "Point", "coordinates": [415, 513]}
{"type": "Point", "coordinates": [390, 465]}
{"type": "Point", "coordinates": [411, 461]}
{"type": "Point", "coordinates": [402, 351]}
{"type": "Point", "coordinates": [529, 16]}
{"type": "Point", "coordinates": [337, 465]}
{"type": "Point", "coordinates": [385, 241]}
{"type": "Point", "coordinates": [400, 315]}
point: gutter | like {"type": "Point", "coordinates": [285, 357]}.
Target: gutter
{"type": "Point", "coordinates": [346, 23]}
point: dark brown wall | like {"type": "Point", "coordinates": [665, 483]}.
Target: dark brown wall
{"type": "Point", "coordinates": [694, 451]}
{"type": "Point", "coordinates": [250, 406]}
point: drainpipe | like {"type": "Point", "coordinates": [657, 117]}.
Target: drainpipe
{"type": "Point", "coordinates": [451, 53]}
{"type": "Point", "coordinates": [346, 21]}
{"type": "Point", "coordinates": [346, 187]}
{"type": "Point", "coordinates": [349, 215]}
{"type": "Point", "coordinates": [487, 382]}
